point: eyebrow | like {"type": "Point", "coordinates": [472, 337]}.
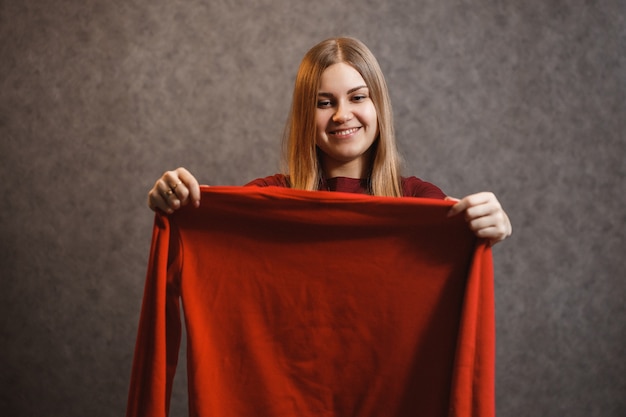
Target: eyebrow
{"type": "Point", "coordinates": [350, 91]}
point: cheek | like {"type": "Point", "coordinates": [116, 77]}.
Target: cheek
{"type": "Point", "coordinates": [318, 120]}
{"type": "Point", "coordinates": [321, 121]}
{"type": "Point", "coordinates": [372, 118]}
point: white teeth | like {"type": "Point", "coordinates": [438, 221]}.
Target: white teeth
{"type": "Point", "coordinates": [346, 132]}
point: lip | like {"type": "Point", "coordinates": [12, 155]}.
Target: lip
{"type": "Point", "coordinates": [345, 133]}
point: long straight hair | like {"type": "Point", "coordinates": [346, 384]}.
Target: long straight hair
{"type": "Point", "coordinates": [301, 152]}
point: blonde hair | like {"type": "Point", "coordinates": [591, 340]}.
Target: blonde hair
{"type": "Point", "coordinates": [301, 152]}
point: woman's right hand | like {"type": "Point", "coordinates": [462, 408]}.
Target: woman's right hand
{"type": "Point", "coordinates": [173, 190]}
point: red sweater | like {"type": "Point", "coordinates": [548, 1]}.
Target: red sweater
{"type": "Point", "coordinates": [317, 304]}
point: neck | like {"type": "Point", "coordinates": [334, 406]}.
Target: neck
{"type": "Point", "coordinates": [353, 169]}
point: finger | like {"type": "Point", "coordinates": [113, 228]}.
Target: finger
{"type": "Point", "coordinates": [174, 188]}
{"type": "Point", "coordinates": [192, 187]}
{"type": "Point", "coordinates": [495, 227]}
{"type": "Point", "coordinates": [184, 185]}
{"type": "Point", "coordinates": [459, 207]}
{"type": "Point", "coordinates": [482, 210]}
{"type": "Point", "coordinates": [171, 181]}
{"type": "Point", "coordinates": [472, 201]}
{"type": "Point", "coordinates": [482, 223]}
{"type": "Point", "coordinates": [181, 183]}
{"type": "Point", "coordinates": [157, 200]}
{"type": "Point", "coordinates": [479, 199]}
{"type": "Point", "coordinates": [168, 195]}
{"type": "Point", "coordinates": [455, 209]}
{"type": "Point", "coordinates": [493, 234]}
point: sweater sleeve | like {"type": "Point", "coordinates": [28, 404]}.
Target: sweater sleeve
{"type": "Point", "coordinates": [160, 327]}
{"type": "Point", "coordinates": [415, 187]}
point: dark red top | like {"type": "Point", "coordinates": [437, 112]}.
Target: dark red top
{"type": "Point", "coordinates": [411, 186]}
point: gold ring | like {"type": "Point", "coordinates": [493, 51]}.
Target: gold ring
{"type": "Point", "coordinates": [169, 192]}
{"type": "Point", "coordinates": [176, 185]}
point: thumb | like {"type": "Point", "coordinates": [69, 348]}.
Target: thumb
{"type": "Point", "coordinates": [454, 210]}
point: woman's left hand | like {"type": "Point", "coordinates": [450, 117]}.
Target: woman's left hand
{"type": "Point", "coordinates": [484, 215]}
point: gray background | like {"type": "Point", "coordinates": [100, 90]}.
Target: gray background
{"type": "Point", "coordinates": [99, 97]}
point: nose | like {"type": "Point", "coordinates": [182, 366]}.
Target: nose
{"type": "Point", "coordinates": [343, 114]}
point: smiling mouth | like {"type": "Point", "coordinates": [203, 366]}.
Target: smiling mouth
{"type": "Point", "coordinates": [345, 133]}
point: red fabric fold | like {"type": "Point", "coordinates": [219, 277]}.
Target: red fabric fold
{"type": "Point", "coordinates": [304, 303]}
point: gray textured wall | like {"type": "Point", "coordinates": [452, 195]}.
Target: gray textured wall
{"type": "Point", "coordinates": [99, 97]}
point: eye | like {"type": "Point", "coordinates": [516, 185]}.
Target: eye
{"type": "Point", "coordinates": [322, 104]}
{"type": "Point", "coordinates": [359, 97]}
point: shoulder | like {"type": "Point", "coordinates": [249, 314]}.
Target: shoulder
{"type": "Point", "coordinates": [277, 180]}
{"type": "Point", "coordinates": [415, 187]}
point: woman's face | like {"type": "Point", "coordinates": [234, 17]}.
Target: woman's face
{"type": "Point", "coordinates": [346, 122]}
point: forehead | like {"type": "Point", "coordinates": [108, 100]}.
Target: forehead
{"type": "Point", "coordinates": [339, 78]}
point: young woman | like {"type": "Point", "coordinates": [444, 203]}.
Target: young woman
{"type": "Point", "coordinates": [340, 137]}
